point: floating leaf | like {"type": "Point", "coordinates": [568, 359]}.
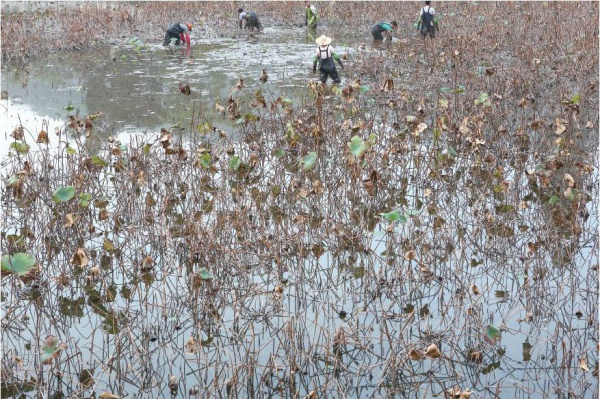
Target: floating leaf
{"type": "Point", "coordinates": [63, 194]}
{"type": "Point", "coordinates": [50, 349]}
{"type": "Point", "coordinates": [205, 160]}
{"type": "Point", "coordinates": [19, 263]}
{"type": "Point", "coordinates": [84, 199]}
{"type": "Point", "coordinates": [204, 274]}
{"type": "Point", "coordinates": [357, 146]}
{"type": "Point", "coordinates": [99, 161]}
{"type": "Point", "coordinates": [308, 162]}
{"type": "Point", "coordinates": [204, 128]}
{"type": "Point", "coordinates": [483, 99]}
{"type": "Point", "coordinates": [69, 107]}
{"type": "Point", "coordinates": [554, 200]}
{"type": "Point", "coordinates": [108, 245]}
{"type": "Point", "coordinates": [13, 181]}
{"type": "Point", "coordinates": [504, 208]}
{"type": "Point", "coordinates": [279, 153]}
{"type": "Point", "coordinates": [235, 162]}
{"type": "Point", "coordinates": [394, 216]}
{"type": "Point", "coordinates": [20, 147]}
{"type": "Point", "coordinates": [452, 152]}
{"type": "Point", "coordinates": [492, 333]}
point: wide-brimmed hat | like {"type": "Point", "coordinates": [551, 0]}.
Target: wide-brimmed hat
{"type": "Point", "coordinates": [323, 40]}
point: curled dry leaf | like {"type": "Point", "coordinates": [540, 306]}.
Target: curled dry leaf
{"type": "Point", "coordinates": [18, 361]}
{"type": "Point", "coordinates": [108, 395]}
{"type": "Point", "coordinates": [191, 346]}
{"type": "Point", "coordinates": [147, 263]}
{"type": "Point", "coordinates": [17, 134]}
{"type": "Point", "coordinates": [433, 352]}
{"type": "Point", "coordinates": [425, 272]}
{"type": "Point", "coordinates": [311, 395]}
{"type": "Point", "coordinates": [569, 179]}
{"type": "Point", "coordinates": [416, 354]}
{"type": "Point", "coordinates": [264, 76]}
{"type": "Point", "coordinates": [583, 364]}
{"type": "Point", "coordinates": [278, 289]}
{"type": "Point", "coordinates": [172, 382]}
{"type": "Point", "coordinates": [476, 357]}
{"type": "Point", "coordinates": [410, 254]}
{"type": "Point", "coordinates": [453, 392]}
{"type": "Point", "coordinates": [489, 157]}
{"type": "Point", "coordinates": [95, 271]}
{"type": "Point", "coordinates": [80, 258]}
{"type": "Point", "coordinates": [465, 394]}
{"type": "Point", "coordinates": [68, 220]}
{"type": "Point", "coordinates": [427, 192]}
{"type": "Point", "coordinates": [43, 137]}
{"type": "Point", "coordinates": [317, 187]}
{"type": "Point", "coordinates": [141, 179]}
{"type": "Point", "coordinates": [388, 85]}
{"type": "Point", "coordinates": [475, 289]}
{"type": "Point", "coordinates": [560, 126]}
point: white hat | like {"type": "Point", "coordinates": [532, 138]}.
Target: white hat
{"type": "Point", "coordinates": [323, 40]}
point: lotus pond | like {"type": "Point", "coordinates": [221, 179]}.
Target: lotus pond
{"type": "Point", "coordinates": [428, 228]}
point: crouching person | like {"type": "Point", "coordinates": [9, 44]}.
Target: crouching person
{"type": "Point", "coordinates": [179, 33]}
{"type": "Point", "coordinates": [250, 18]}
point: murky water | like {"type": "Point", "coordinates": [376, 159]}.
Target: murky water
{"type": "Point", "coordinates": [137, 86]}
{"type": "Point", "coordinates": [130, 331]}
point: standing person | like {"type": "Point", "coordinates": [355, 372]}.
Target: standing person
{"type": "Point", "coordinates": [380, 27]}
{"type": "Point", "coordinates": [324, 55]}
{"type": "Point", "coordinates": [179, 32]}
{"type": "Point", "coordinates": [311, 16]}
{"type": "Point", "coordinates": [427, 23]}
{"type": "Point", "coordinates": [250, 18]}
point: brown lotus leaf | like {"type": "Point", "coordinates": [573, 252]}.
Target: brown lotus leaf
{"type": "Point", "coordinates": [433, 352]}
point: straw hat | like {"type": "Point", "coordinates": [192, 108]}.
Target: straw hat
{"type": "Point", "coordinates": [323, 40]}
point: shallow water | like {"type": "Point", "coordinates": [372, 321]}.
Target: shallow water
{"type": "Point", "coordinates": [136, 86]}
{"type": "Point", "coordinates": [133, 341]}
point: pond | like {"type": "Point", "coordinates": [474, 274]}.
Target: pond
{"type": "Point", "coordinates": [252, 275]}
{"type": "Point", "coordinates": [136, 85]}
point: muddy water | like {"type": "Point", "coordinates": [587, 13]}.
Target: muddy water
{"type": "Point", "coordinates": [136, 86]}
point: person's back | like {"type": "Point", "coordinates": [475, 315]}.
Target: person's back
{"type": "Point", "coordinates": [426, 21]}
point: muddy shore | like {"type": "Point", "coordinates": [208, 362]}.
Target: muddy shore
{"type": "Point", "coordinates": [79, 26]}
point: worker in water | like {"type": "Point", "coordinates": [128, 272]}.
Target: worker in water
{"type": "Point", "coordinates": [311, 16]}
{"type": "Point", "coordinates": [381, 27]}
{"type": "Point", "coordinates": [324, 57]}
{"type": "Point", "coordinates": [250, 18]}
{"type": "Point", "coordinates": [178, 33]}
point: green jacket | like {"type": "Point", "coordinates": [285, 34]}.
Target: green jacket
{"type": "Point", "coordinates": [311, 17]}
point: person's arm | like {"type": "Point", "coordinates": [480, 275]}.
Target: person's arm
{"type": "Point", "coordinates": [306, 16]}
{"type": "Point", "coordinates": [187, 38]}
{"type": "Point", "coordinates": [315, 59]}
{"type": "Point", "coordinates": [241, 20]}
{"type": "Point", "coordinates": [338, 59]}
